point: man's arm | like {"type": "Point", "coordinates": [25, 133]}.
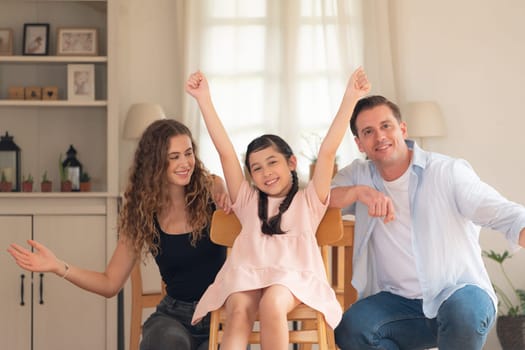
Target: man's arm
{"type": "Point", "coordinates": [379, 205]}
{"type": "Point", "coordinates": [522, 238]}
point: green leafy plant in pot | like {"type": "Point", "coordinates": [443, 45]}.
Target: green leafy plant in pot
{"type": "Point", "coordinates": [85, 182]}
{"type": "Point", "coordinates": [510, 324]}
{"type": "Point", "coordinates": [5, 186]}
{"type": "Point", "coordinates": [46, 185]}
{"type": "Point", "coordinates": [27, 183]}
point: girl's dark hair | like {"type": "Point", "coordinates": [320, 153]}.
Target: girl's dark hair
{"type": "Point", "coordinates": [272, 225]}
{"type": "Point", "coordinates": [146, 193]}
{"type": "Point", "coordinates": [369, 103]}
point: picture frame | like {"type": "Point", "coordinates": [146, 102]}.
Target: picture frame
{"type": "Point", "coordinates": [77, 41]}
{"type": "Point", "coordinates": [6, 42]}
{"type": "Point", "coordinates": [36, 39]}
{"type": "Point", "coordinates": [81, 82]}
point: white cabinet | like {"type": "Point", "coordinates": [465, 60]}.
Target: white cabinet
{"type": "Point", "coordinates": [43, 311]}
{"type": "Point", "coordinates": [15, 285]}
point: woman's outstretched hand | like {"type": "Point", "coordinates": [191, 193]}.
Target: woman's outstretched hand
{"type": "Point", "coordinates": [41, 260]}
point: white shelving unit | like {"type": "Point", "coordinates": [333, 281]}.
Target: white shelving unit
{"type": "Point", "coordinates": [78, 226]}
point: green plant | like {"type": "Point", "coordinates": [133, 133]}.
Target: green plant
{"type": "Point", "coordinates": [44, 177]}
{"type": "Point", "coordinates": [3, 178]}
{"type": "Point", "coordinates": [62, 170]}
{"type": "Point", "coordinates": [512, 308]}
{"type": "Point", "coordinates": [29, 178]}
{"type": "Point", "coordinates": [313, 142]}
{"type": "Point", "coordinates": [84, 177]}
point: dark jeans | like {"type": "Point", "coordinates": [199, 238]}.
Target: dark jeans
{"type": "Point", "coordinates": [169, 327]}
{"type": "Point", "coordinates": [388, 321]}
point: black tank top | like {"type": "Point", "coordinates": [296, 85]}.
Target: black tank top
{"type": "Point", "coordinates": [185, 269]}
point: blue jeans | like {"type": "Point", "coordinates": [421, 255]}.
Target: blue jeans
{"type": "Point", "coordinates": [388, 321]}
{"type": "Point", "coordinates": [169, 327]}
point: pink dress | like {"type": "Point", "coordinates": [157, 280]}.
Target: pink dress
{"type": "Point", "coordinates": [292, 259]}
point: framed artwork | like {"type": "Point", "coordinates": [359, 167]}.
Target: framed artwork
{"type": "Point", "coordinates": [36, 39]}
{"type": "Point", "coordinates": [81, 82]}
{"type": "Point", "coordinates": [77, 41]}
{"type": "Point", "coordinates": [6, 41]}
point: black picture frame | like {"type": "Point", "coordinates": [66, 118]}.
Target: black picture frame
{"type": "Point", "coordinates": [36, 39]}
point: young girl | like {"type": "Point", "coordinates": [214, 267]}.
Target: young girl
{"type": "Point", "coordinates": [166, 213]}
{"type": "Point", "coordinates": [275, 262]}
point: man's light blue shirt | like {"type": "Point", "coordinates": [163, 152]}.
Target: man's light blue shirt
{"type": "Point", "coordinates": [448, 204]}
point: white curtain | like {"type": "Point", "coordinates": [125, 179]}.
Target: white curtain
{"type": "Point", "coordinates": [276, 67]}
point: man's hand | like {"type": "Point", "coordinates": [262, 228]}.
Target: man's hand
{"type": "Point", "coordinates": [379, 205]}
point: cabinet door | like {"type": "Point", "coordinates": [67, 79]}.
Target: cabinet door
{"type": "Point", "coordinates": [70, 317]}
{"type": "Point", "coordinates": [15, 315]}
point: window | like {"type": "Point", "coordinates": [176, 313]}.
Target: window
{"type": "Point", "coordinates": [277, 67]}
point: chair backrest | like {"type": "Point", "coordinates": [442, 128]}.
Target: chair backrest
{"type": "Point", "coordinates": [342, 256]}
{"type": "Point", "coordinates": [225, 228]}
{"type": "Point", "coordinates": [140, 301]}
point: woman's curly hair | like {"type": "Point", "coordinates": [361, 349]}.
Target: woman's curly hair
{"type": "Point", "coordinates": [146, 193]}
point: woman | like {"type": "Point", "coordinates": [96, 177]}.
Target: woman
{"type": "Point", "coordinates": [167, 211]}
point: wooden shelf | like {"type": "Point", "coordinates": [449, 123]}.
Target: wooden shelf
{"type": "Point", "coordinates": [57, 103]}
{"type": "Point", "coordinates": [54, 59]}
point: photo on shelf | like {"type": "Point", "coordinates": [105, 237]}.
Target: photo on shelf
{"type": "Point", "coordinates": [77, 41]}
{"type": "Point", "coordinates": [81, 82]}
{"type": "Point", "coordinates": [36, 39]}
{"type": "Point", "coordinates": [6, 41]}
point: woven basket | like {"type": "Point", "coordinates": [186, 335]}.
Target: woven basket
{"type": "Point", "coordinates": [511, 332]}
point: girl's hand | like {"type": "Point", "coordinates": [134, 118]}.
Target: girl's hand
{"type": "Point", "coordinates": [358, 85]}
{"type": "Point", "coordinates": [197, 85]}
{"type": "Point", "coordinates": [42, 260]}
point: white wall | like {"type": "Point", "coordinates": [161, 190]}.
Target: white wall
{"type": "Point", "coordinates": [149, 64]}
{"type": "Point", "coordinates": [148, 72]}
{"type": "Point", "coordinates": [469, 56]}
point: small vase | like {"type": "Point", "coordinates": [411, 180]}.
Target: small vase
{"type": "Point", "coordinates": [312, 168]}
{"type": "Point", "coordinates": [6, 186]}
{"type": "Point", "coordinates": [46, 186]}
{"type": "Point", "coordinates": [27, 187]}
{"type": "Point", "coordinates": [511, 332]}
{"type": "Point", "coordinates": [85, 186]}
{"type": "Point", "coordinates": [66, 186]}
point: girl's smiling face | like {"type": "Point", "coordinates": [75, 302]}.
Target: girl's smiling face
{"type": "Point", "coordinates": [271, 171]}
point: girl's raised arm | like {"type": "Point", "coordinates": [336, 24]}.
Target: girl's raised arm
{"type": "Point", "coordinates": [197, 86]}
{"type": "Point", "coordinates": [357, 87]}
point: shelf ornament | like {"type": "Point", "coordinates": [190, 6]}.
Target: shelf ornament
{"type": "Point", "coordinates": [10, 161]}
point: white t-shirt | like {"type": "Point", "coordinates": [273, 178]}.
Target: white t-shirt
{"type": "Point", "coordinates": [392, 244]}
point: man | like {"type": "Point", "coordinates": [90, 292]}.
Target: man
{"type": "Point", "coordinates": [417, 261]}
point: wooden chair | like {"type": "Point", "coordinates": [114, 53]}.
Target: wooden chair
{"type": "Point", "coordinates": [342, 255]}
{"type": "Point", "coordinates": [224, 230]}
{"type": "Point", "coordinates": [341, 274]}
{"type": "Point", "coordinates": [139, 302]}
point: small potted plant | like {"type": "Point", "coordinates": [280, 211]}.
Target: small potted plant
{"type": "Point", "coordinates": [46, 185]}
{"type": "Point", "coordinates": [85, 182]}
{"type": "Point", "coordinates": [65, 184]}
{"type": "Point", "coordinates": [313, 142]}
{"type": "Point", "coordinates": [5, 186]}
{"type": "Point", "coordinates": [511, 315]}
{"type": "Point", "coordinates": [27, 183]}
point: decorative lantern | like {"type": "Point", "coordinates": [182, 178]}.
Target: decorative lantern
{"type": "Point", "coordinates": [10, 161]}
{"type": "Point", "coordinates": [73, 168]}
